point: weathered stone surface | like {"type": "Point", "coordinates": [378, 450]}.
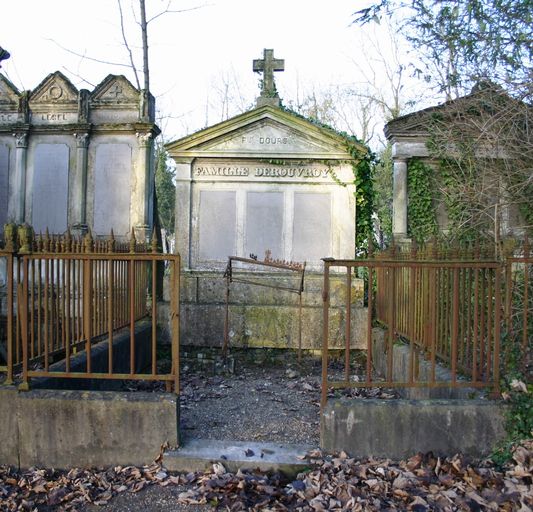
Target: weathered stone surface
{"type": "Point", "coordinates": [65, 429]}
{"type": "Point", "coordinates": [10, 445]}
{"type": "Point", "coordinates": [267, 326]}
{"type": "Point", "coordinates": [50, 188]}
{"type": "Point", "coordinates": [210, 288]}
{"type": "Point", "coordinates": [112, 188]}
{"type": "Point", "coordinates": [401, 428]}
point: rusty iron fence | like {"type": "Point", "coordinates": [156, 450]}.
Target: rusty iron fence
{"type": "Point", "coordinates": [447, 306]}
{"type": "Point", "coordinates": [236, 263]}
{"type": "Point", "coordinates": [66, 294]}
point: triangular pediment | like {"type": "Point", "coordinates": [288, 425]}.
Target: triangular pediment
{"type": "Point", "coordinates": [265, 132]}
{"type": "Point", "coordinates": [115, 89]}
{"type": "Point", "coordinates": [486, 101]}
{"type": "Point", "coordinates": [9, 94]}
{"type": "Point", "coordinates": [56, 88]}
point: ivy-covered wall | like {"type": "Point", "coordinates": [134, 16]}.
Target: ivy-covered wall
{"type": "Point", "coordinates": [421, 213]}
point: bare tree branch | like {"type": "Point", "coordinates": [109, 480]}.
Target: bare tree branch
{"type": "Point", "coordinates": [125, 40]}
{"type": "Point", "coordinates": [92, 59]}
{"type": "Point", "coordinates": [167, 10]}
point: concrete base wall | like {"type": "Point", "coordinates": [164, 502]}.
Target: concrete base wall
{"type": "Point", "coordinates": [263, 317]}
{"type": "Point", "coordinates": [401, 428]}
{"type": "Point", "coordinates": [64, 429]}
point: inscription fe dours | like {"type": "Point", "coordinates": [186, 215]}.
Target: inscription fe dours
{"type": "Point", "coordinates": [267, 141]}
{"type": "Point", "coordinates": [264, 172]}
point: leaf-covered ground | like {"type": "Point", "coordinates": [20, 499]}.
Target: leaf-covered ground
{"type": "Point", "coordinates": [421, 483]}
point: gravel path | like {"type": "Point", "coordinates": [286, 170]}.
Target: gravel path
{"type": "Point", "coordinates": [275, 403]}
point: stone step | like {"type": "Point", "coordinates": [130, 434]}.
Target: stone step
{"type": "Point", "coordinates": [201, 454]}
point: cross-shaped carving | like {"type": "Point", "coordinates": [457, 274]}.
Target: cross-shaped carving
{"type": "Point", "coordinates": [268, 64]}
{"type": "Point", "coordinates": [115, 91]}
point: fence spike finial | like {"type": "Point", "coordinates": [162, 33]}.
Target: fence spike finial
{"type": "Point", "coordinates": [25, 238]}
{"type": "Point", "coordinates": [133, 241]}
{"type": "Point", "coordinates": [154, 241]}
{"type": "Point", "coordinates": [111, 241]}
{"type": "Point", "coordinates": [10, 239]}
{"type": "Point", "coordinates": [88, 242]}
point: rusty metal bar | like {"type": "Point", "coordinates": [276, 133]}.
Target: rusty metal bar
{"type": "Point", "coordinates": [68, 315]}
{"type": "Point", "coordinates": [87, 308]}
{"type": "Point", "coordinates": [131, 295]}
{"type": "Point", "coordinates": [392, 323]}
{"type": "Point", "coordinates": [525, 311]}
{"type": "Point", "coordinates": [299, 327]}
{"type": "Point", "coordinates": [110, 310]}
{"type": "Point", "coordinates": [370, 307]}
{"type": "Point", "coordinates": [33, 348]}
{"type": "Point", "coordinates": [325, 336]}
{"type": "Point", "coordinates": [10, 317]}
{"type": "Point", "coordinates": [175, 322]}
{"type": "Point", "coordinates": [47, 333]}
{"type": "Point", "coordinates": [23, 294]}
{"type": "Point", "coordinates": [348, 324]}
{"type": "Point", "coordinates": [154, 317]}
{"type": "Point", "coordinates": [497, 332]}
{"type": "Point", "coordinates": [475, 327]}
{"type": "Point", "coordinates": [455, 324]}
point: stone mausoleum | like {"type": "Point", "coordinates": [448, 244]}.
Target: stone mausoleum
{"type": "Point", "coordinates": [265, 180]}
{"type": "Point", "coordinates": [77, 159]}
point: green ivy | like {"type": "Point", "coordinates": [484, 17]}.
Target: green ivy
{"type": "Point", "coordinates": [464, 220]}
{"type": "Point", "coordinates": [422, 220]}
{"type": "Point", "coordinates": [363, 169]}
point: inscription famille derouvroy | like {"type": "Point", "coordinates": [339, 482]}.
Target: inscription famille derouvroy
{"type": "Point", "coordinates": [266, 172]}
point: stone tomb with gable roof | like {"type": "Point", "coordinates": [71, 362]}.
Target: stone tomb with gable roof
{"type": "Point", "coordinates": [77, 159]}
{"type": "Point", "coordinates": [265, 180]}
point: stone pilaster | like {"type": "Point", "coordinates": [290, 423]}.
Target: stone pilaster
{"type": "Point", "coordinates": [399, 199]}
{"type": "Point", "coordinates": [79, 195]}
{"type": "Point", "coordinates": [182, 224]}
{"type": "Point", "coordinates": [17, 199]}
{"type": "Point", "coordinates": [141, 218]}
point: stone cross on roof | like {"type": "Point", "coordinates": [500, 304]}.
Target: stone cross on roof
{"type": "Point", "coordinates": [268, 64]}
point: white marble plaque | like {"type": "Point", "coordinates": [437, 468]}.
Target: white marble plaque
{"type": "Point", "coordinates": [4, 184]}
{"type": "Point", "coordinates": [264, 224]}
{"type": "Point", "coordinates": [217, 225]}
{"type": "Point", "coordinates": [50, 188]}
{"type": "Point", "coordinates": [112, 189]}
{"type": "Point", "coordinates": [312, 226]}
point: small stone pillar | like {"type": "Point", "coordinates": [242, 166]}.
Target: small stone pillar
{"type": "Point", "coordinates": [399, 199]}
{"type": "Point", "coordinates": [17, 201]}
{"type": "Point", "coordinates": [142, 192]}
{"type": "Point", "coordinates": [79, 205]}
{"type": "Point", "coordinates": [183, 209]}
